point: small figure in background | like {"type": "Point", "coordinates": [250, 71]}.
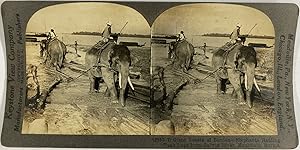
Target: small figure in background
{"type": "Point", "coordinates": [76, 49]}
{"type": "Point", "coordinates": [204, 50]}
{"type": "Point", "coordinates": [75, 46]}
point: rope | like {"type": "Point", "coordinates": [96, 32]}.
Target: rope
{"type": "Point", "coordinates": [209, 75]}
{"type": "Point", "coordinates": [111, 69]}
{"type": "Point", "coordinates": [80, 75]}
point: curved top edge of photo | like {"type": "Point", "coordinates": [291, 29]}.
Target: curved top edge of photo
{"type": "Point", "coordinates": [88, 18]}
{"type": "Point", "coordinates": [213, 19]}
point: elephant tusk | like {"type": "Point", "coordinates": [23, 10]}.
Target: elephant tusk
{"type": "Point", "coordinates": [256, 85]}
{"type": "Point", "coordinates": [246, 84]}
{"type": "Point", "coordinates": [120, 80]}
{"type": "Point", "coordinates": [130, 84]}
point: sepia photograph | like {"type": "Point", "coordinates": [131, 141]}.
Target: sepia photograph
{"type": "Point", "coordinates": [212, 71]}
{"type": "Point", "coordinates": [88, 70]}
{"type": "Point", "coordinates": [122, 74]}
{"type": "Point", "coordinates": [200, 69]}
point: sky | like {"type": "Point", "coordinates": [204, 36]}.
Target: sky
{"type": "Point", "coordinates": [193, 19]}
{"type": "Point", "coordinates": [74, 17]}
{"type": "Point", "coordinates": [198, 19]}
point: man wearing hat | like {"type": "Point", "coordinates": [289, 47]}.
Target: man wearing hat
{"type": "Point", "coordinates": [51, 34]}
{"type": "Point", "coordinates": [107, 32]}
{"type": "Point", "coordinates": [181, 36]}
{"type": "Point", "coordinates": [235, 33]}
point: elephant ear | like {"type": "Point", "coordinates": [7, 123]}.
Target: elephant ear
{"type": "Point", "coordinates": [133, 59]}
{"type": "Point", "coordinates": [114, 62]}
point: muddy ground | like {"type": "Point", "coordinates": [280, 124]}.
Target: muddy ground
{"type": "Point", "coordinates": [200, 111]}
{"type": "Point", "coordinates": [70, 109]}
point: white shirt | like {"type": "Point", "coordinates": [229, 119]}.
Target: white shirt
{"type": "Point", "coordinates": [52, 35]}
{"type": "Point", "coordinates": [181, 36]}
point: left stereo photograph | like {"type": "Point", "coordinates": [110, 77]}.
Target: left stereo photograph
{"type": "Point", "coordinates": [88, 71]}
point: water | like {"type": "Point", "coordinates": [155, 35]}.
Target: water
{"type": "Point", "coordinates": [92, 39]}
{"type": "Point", "coordinates": [220, 41]}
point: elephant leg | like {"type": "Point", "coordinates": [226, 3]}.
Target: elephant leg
{"type": "Point", "coordinates": [108, 77]}
{"type": "Point", "coordinates": [97, 84]}
{"type": "Point", "coordinates": [234, 78]}
{"type": "Point", "coordinates": [223, 85]}
{"type": "Point", "coordinates": [188, 63]}
{"type": "Point", "coordinates": [54, 63]}
{"type": "Point", "coordinates": [57, 67]}
{"type": "Point", "coordinates": [248, 90]}
{"type": "Point", "coordinates": [47, 60]}
{"type": "Point", "coordinates": [107, 92]}
{"type": "Point", "coordinates": [41, 53]}
{"type": "Point", "coordinates": [219, 84]}
{"type": "Point", "coordinates": [248, 98]}
{"type": "Point", "coordinates": [123, 88]}
{"type": "Point", "coordinates": [184, 69]}
{"type": "Point", "coordinates": [234, 94]}
{"type": "Point", "coordinates": [60, 61]}
{"type": "Point", "coordinates": [92, 82]}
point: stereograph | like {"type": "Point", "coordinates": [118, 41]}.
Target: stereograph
{"type": "Point", "coordinates": [113, 74]}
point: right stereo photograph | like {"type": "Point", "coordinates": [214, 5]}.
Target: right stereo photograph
{"type": "Point", "coordinates": [212, 68]}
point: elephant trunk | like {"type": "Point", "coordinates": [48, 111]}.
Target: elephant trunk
{"type": "Point", "coordinates": [249, 81]}
{"type": "Point", "coordinates": [123, 79]}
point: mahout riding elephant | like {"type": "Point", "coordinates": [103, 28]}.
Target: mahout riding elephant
{"type": "Point", "coordinates": [109, 62]}
{"type": "Point", "coordinates": [238, 66]}
{"type": "Point", "coordinates": [183, 53]}
{"type": "Point", "coordinates": [55, 53]}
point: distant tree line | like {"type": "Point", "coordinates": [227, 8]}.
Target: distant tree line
{"type": "Point", "coordinates": [87, 33]}
{"type": "Point", "coordinates": [249, 36]}
{"type": "Point", "coordinates": [100, 34]}
{"type": "Point", "coordinates": [165, 36]}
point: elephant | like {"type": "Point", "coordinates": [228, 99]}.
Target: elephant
{"type": "Point", "coordinates": [55, 53]}
{"type": "Point", "coordinates": [183, 53]}
{"type": "Point", "coordinates": [106, 63]}
{"type": "Point", "coordinates": [238, 66]}
{"type": "Point", "coordinates": [43, 44]}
